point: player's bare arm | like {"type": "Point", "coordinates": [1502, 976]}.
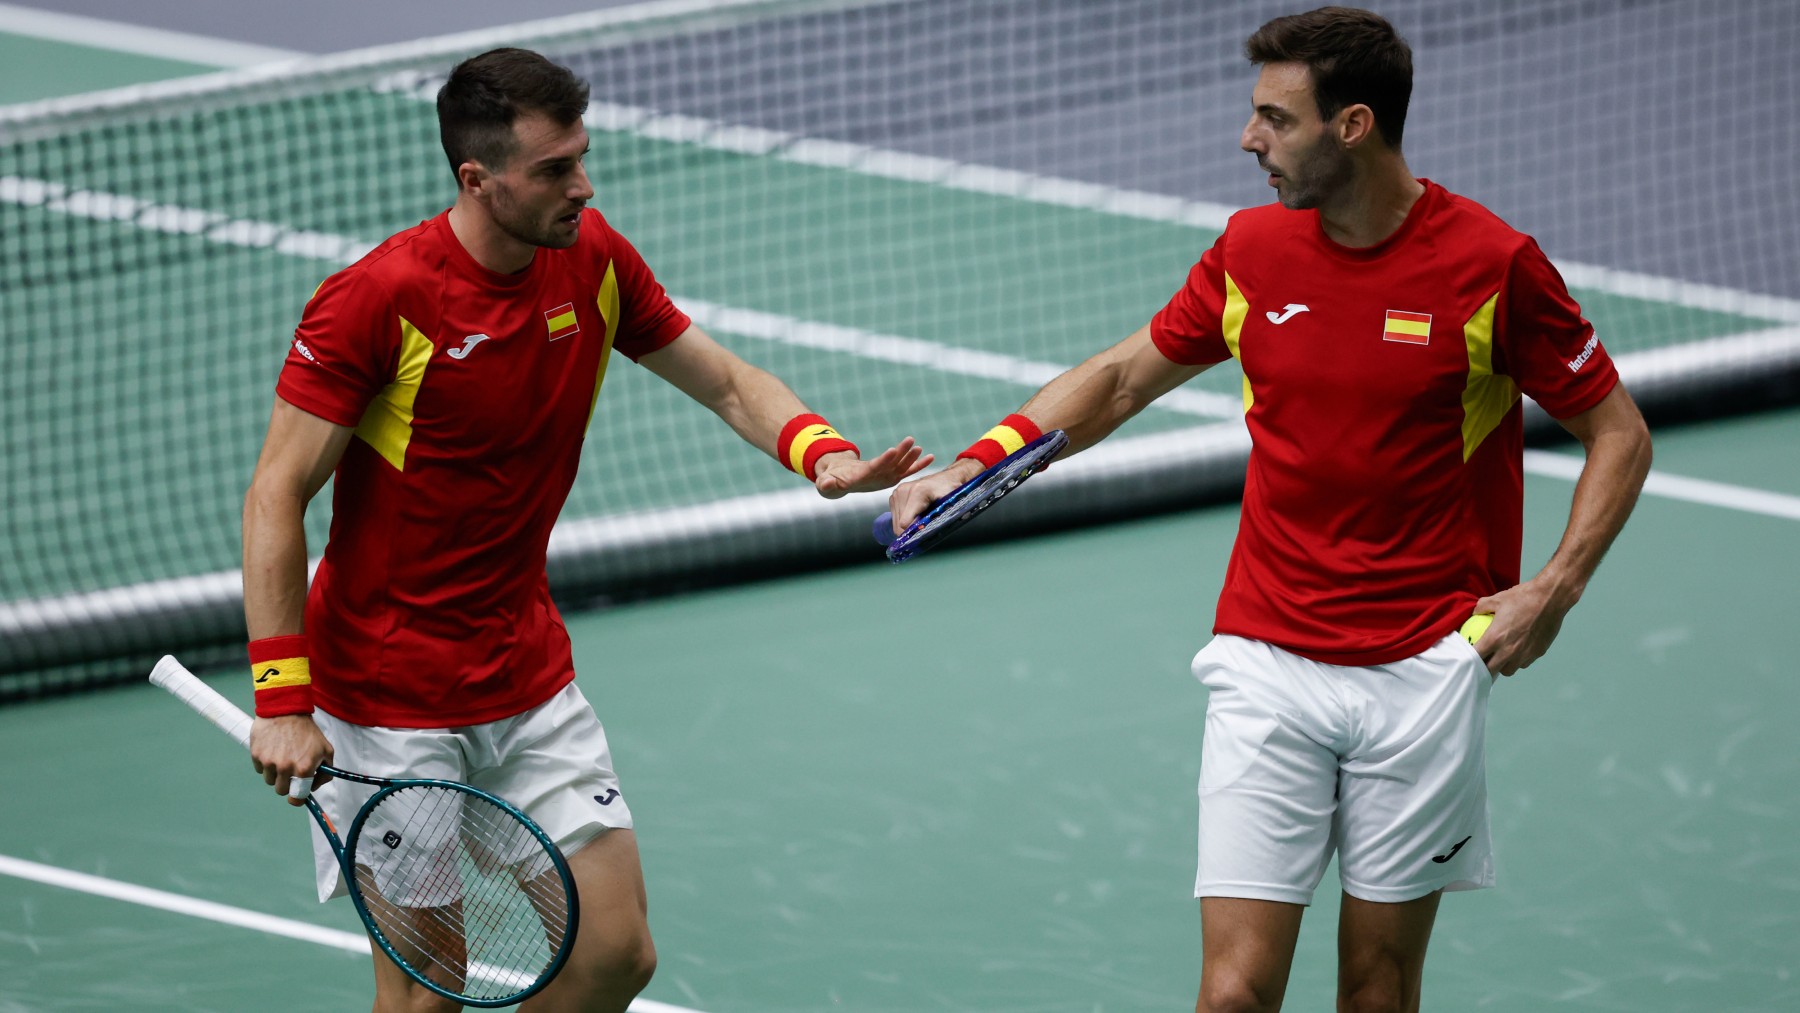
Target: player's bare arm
{"type": "Point", "coordinates": [298, 455]}
{"type": "Point", "coordinates": [756, 405]}
{"type": "Point", "coordinates": [1527, 617]}
{"type": "Point", "coordinates": [1087, 403]}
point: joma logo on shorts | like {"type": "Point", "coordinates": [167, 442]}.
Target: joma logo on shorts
{"type": "Point", "coordinates": [607, 799]}
{"type": "Point", "coordinates": [1441, 859]}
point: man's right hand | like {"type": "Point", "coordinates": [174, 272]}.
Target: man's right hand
{"type": "Point", "coordinates": [287, 747]}
{"type": "Point", "coordinates": [910, 499]}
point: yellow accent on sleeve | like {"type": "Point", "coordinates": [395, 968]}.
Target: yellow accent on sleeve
{"type": "Point", "coordinates": [1008, 438]}
{"type": "Point", "coordinates": [1231, 323]}
{"type": "Point", "coordinates": [387, 423]}
{"type": "Point", "coordinates": [806, 438]}
{"type": "Point", "coordinates": [607, 301]}
{"type": "Point", "coordinates": [282, 672]}
{"type": "Point", "coordinates": [1487, 396]}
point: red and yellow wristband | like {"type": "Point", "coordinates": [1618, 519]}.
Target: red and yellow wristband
{"type": "Point", "coordinates": [1013, 432]}
{"type": "Point", "coordinates": [804, 440]}
{"type": "Point", "coordinates": [282, 675]}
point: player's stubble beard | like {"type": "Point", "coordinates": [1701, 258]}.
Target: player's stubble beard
{"type": "Point", "coordinates": [529, 225]}
{"type": "Point", "coordinates": [1319, 172]}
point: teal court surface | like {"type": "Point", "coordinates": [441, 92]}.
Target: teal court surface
{"type": "Point", "coordinates": [899, 810]}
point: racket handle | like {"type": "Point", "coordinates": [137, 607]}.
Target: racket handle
{"type": "Point", "coordinates": [205, 701]}
{"type": "Point", "coordinates": [884, 528]}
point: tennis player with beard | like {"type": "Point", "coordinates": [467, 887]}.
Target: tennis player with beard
{"type": "Point", "coordinates": [1386, 328]}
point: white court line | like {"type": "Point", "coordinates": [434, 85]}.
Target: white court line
{"type": "Point", "coordinates": [339, 250]}
{"type": "Point", "coordinates": [820, 152]}
{"type": "Point", "coordinates": [931, 355]}
{"type": "Point", "coordinates": [354, 942]}
{"type": "Point", "coordinates": [162, 900]}
{"type": "Point", "coordinates": [122, 37]}
{"type": "Point", "coordinates": [1692, 490]}
{"type": "Point", "coordinates": [202, 88]}
{"type": "Point", "coordinates": [1033, 188]}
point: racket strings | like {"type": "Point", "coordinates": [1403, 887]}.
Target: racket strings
{"type": "Point", "coordinates": [462, 891]}
{"type": "Point", "coordinates": [997, 486]}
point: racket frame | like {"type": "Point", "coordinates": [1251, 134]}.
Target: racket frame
{"type": "Point", "coordinates": [346, 853]}
{"type": "Point", "coordinates": [171, 675]}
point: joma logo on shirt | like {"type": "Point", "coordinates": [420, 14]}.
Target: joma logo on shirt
{"type": "Point", "coordinates": [468, 346]}
{"type": "Point", "coordinates": [300, 346]}
{"type": "Point", "coordinates": [1587, 352]}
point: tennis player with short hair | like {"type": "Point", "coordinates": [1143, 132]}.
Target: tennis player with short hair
{"type": "Point", "coordinates": [1386, 328]}
{"type": "Point", "coordinates": [449, 380]}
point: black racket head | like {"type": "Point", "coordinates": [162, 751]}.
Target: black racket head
{"type": "Point", "coordinates": [967, 501]}
{"type": "Point", "coordinates": [462, 891]}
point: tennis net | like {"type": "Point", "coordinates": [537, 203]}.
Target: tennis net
{"type": "Point", "coordinates": [913, 212]}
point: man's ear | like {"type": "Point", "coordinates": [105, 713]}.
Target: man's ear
{"type": "Point", "coordinates": [472, 177]}
{"type": "Point", "coordinates": [1354, 126]}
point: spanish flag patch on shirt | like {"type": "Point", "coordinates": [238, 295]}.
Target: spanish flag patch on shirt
{"type": "Point", "coordinates": [561, 321]}
{"type": "Point", "coordinates": [1411, 328]}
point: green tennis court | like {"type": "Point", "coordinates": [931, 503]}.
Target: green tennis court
{"type": "Point", "coordinates": [900, 811]}
{"type": "Point", "coordinates": [962, 784]}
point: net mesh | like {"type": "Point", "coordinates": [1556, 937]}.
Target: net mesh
{"type": "Point", "coordinates": [915, 213]}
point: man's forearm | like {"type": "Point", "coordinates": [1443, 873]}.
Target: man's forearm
{"type": "Point", "coordinates": [1098, 396]}
{"type": "Point", "coordinates": [1617, 462]}
{"type": "Point", "coordinates": [757, 406]}
{"type": "Point", "coordinates": [274, 564]}
{"type": "Point", "coordinates": [1087, 402]}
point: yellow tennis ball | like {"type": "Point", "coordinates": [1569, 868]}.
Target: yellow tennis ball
{"type": "Point", "coordinates": [1476, 626]}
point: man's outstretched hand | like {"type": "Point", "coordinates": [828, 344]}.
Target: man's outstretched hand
{"type": "Point", "coordinates": [844, 472]}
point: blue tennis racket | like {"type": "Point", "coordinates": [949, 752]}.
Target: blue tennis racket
{"type": "Point", "coordinates": [460, 889]}
{"type": "Point", "coordinates": [969, 499]}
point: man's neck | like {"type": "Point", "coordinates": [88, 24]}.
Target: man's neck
{"type": "Point", "coordinates": [491, 248]}
{"type": "Point", "coordinates": [1374, 205]}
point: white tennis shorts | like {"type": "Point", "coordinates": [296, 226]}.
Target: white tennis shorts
{"type": "Point", "coordinates": [552, 762]}
{"type": "Point", "coordinates": [1384, 765]}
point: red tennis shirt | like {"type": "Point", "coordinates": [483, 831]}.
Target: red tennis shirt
{"type": "Point", "coordinates": [1385, 491]}
{"type": "Point", "coordinates": [471, 393]}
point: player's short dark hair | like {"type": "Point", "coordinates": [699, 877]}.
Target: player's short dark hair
{"type": "Point", "coordinates": [486, 93]}
{"type": "Point", "coordinates": [1355, 57]}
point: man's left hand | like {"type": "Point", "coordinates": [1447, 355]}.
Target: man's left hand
{"type": "Point", "coordinates": [1527, 618]}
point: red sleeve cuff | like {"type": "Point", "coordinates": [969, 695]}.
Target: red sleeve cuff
{"type": "Point", "coordinates": [804, 440]}
{"type": "Point", "coordinates": [284, 700]}
{"type": "Point", "coordinates": [281, 673]}
{"type": "Point", "coordinates": [818, 449]}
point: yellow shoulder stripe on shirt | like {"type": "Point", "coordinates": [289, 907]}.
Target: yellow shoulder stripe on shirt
{"type": "Point", "coordinates": [1232, 324]}
{"type": "Point", "coordinates": [607, 301]}
{"type": "Point", "coordinates": [387, 423]}
{"type": "Point", "coordinates": [1487, 396]}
